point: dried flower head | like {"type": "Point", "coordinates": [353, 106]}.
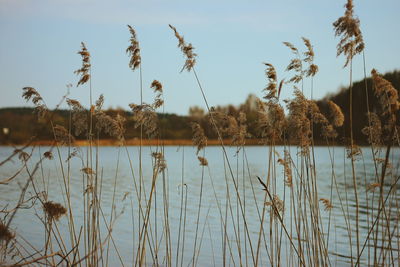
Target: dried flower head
{"type": "Point", "coordinates": [295, 64]}
{"type": "Point", "coordinates": [203, 161]}
{"type": "Point", "coordinates": [30, 92]}
{"type": "Point", "coordinates": [271, 121]}
{"type": "Point", "coordinates": [299, 123]}
{"type": "Point", "coordinates": [160, 163]}
{"type": "Point", "coordinates": [145, 116]}
{"type": "Point", "coordinates": [347, 28]}
{"type": "Point", "coordinates": [40, 107]}
{"type": "Point", "coordinates": [309, 58]}
{"type": "Point", "coordinates": [157, 87]}
{"type": "Point", "coordinates": [277, 205]}
{"type": "Point", "coordinates": [327, 203]}
{"type": "Point", "coordinates": [271, 89]}
{"type": "Point", "coordinates": [79, 117]}
{"type": "Point", "coordinates": [286, 163]}
{"type": "Point", "coordinates": [5, 233]}
{"type": "Point", "coordinates": [23, 156]}
{"type": "Point", "coordinates": [336, 114]}
{"type": "Point", "coordinates": [99, 102]}
{"type": "Point", "coordinates": [62, 136]}
{"type": "Point", "coordinates": [199, 139]}
{"type": "Point", "coordinates": [87, 171]}
{"type": "Point", "coordinates": [133, 50]}
{"type": "Point", "coordinates": [187, 50]}
{"type": "Point", "coordinates": [84, 71]}
{"type": "Point", "coordinates": [240, 132]}
{"type": "Point", "coordinates": [353, 152]}
{"type": "Point", "coordinates": [113, 127]}
{"type": "Point", "coordinates": [48, 155]}
{"type": "Point", "coordinates": [54, 210]}
{"type": "Point", "coordinates": [374, 130]}
{"type": "Point", "coordinates": [387, 95]}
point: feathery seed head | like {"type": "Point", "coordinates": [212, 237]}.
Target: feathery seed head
{"type": "Point", "coordinates": [187, 50]}
{"type": "Point", "coordinates": [84, 71]}
{"type": "Point", "coordinates": [161, 164]}
{"type": "Point", "coordinates": [327, 203]}
{"type": "Point", "coordinates": [203, 161]}
{"type": "Point", "coordinates": [144, 115]}
{"type": "Point", "coordinates": [336, 114]}
{"type": "Point", "coordinates": [199, 139]}
{"type": "Point", "coordinates": [133, 50]}
{"type": "Point", "coordinates": [54, 210]}
{"type": "Point", "coordinates": [347, 28]}
{"type": "Point", "coordinates": [62, 136]}
{"type": "Point", "coordinates": [374, 130]}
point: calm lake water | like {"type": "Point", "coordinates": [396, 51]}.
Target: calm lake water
{"type": "Point", "coordinates": [184, 173]}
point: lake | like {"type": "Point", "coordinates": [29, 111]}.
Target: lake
{"type": "Point", "coordinates": [228, 228]}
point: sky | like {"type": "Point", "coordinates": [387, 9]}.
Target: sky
{"type": "Point", "coordinates": [40, 40]}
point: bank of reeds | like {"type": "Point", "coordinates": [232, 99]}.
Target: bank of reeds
{"type": "Point", "coordinates": [295, 224]}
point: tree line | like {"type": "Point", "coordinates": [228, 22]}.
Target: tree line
{"type": "Point", "coordinates": [19, 124]}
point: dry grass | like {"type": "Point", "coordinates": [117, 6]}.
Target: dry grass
{"type": "Point", "coordinates": [293, 224]}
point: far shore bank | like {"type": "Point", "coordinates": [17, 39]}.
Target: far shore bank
{"type": "Point", "coordinates": [155, 142]}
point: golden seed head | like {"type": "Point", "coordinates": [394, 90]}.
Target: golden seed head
{"type": "Point", "coordinates": [87, 171]}
{"type": "Point", "coordinates": [84, 71]}
{"type": "Point", "coordinates": [133, 50]}
{"type": "Point", "coordinates": [347, 28]}
{"type": "Point", "coordinates": [199, 139]}
{"type": "Point", "coordinates": [203, 161]}
{"type": "Point", "coordinates": [327, 203]}
{"type": "Point", "coordinates": [187, 50]}
{"type": "Point", "coordinates": [54, 210]}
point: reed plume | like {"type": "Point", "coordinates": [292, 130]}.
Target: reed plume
{"type": "Point", "coordinates": [84, 71]}
{"type": "Point", "coordinates": [327, 203]}
{"type": "Point", "coordinates": [203, 161]}
{"type": "Point", "coordinates": [40, 107]}
{"type": "Point", "coordinates": [239, 133]}
{"type": "Point", "coordinates": [62, 136]}
{"type": "Point", "coordinates": [347, 28]}
{"type": "Point", "coordinates": [271, 121]}
{"type": "Point", "coordinates": [87, 171]}
{"type": "Point", "coordinates": [295, 64]}
{"type": "Point", "coordinates": [133, 50]}
{"type": "Point", "coordinates": [309, 58]}
{"type": "Point", "coordinates": [278, 204]}
{"type": "Point", "coordinates": [199, 139]}
{"type": "Point", "coordinates": [271, 89]}
{"type": "Point", "coordinates": [79, 116]}
{"type": "Point", "coordinates": [336, 114]}
{"type": "Point", "coordinates": [187, 50]}
{"type": "Point", "coordinates": [374, 130]}
{"type": "Point", "coordinates": [386, 93]}
{"type": "Point", "coordinates": [114, 127]}
{"type": "Point", "coordinates": [54, 210]}
{"type": "Point", "coordinates": [145, 116]}
{"type": "Point", "coordinates": [157, 87]}
{"type": "Point", "coordinates": [161, 163]}
{"type": "Point", "coordinates": [285, 162]}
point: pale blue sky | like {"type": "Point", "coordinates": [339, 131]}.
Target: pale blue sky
{"type": "Point", "coordinates": [40, 38]}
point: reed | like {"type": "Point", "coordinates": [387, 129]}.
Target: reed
{"type": "Point", "coordinates": [274, 215]}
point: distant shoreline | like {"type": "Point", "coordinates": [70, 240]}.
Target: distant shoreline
{"type": "Point", "coordinates": [155, 142]}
